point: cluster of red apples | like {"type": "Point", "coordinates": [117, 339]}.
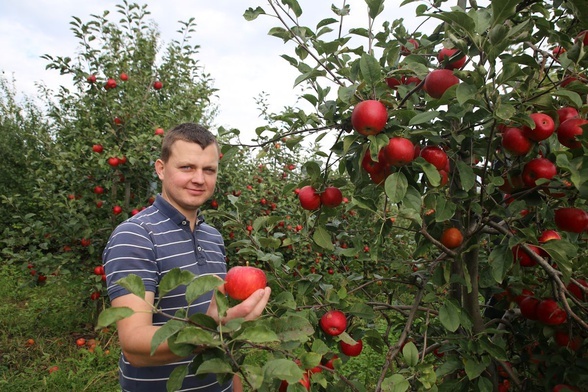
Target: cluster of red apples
{"type": "Point", "coordinates": [369, 118]}
{"type": "Point", "coordinates": [111, 83]}
{"type": "Point", "coordinates": [311, 199]}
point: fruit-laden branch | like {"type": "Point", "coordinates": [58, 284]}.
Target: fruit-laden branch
{"type": "Point", "coordinates": [554, 274]}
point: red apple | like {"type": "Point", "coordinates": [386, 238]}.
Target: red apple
{"type": "Point", "coordinates": [568, 131]}
{"type": "Point", "coordinates": [333, 322]}
{"type": "Point", "coordinates": [98, 148]}
{"type": "Point", "coordinates": [582, 37]}
{"type": "Point", "coordinates": [406, 80]}
{"type": "Point", "coordinates": [113, 161]}
{"type": "Point", "coordinates": [124, 77]}
{"type": "Point", "coordinates": [99, 270]}
{"type": "Point", "coordinates": [411, 44]}
{"type": "Point", "coordinates": [557, 51]}
{"type": "Point", "coordinates": [445, 55]}
{"type": "Point", "coordinates": [351, 350]}
{"type": "Point", "coordinates": [548, 235]}
{"type": "Point", "coordinates": [515, 142]}
{"type": "Point", "coordinates": [98, 190]}
{"type": "Point", "coordinates": [544, 127]}
{"type": "Point", "coordinates": [95, 295]}
{"type": "Point", "coordinates": [523, 257]}
{"type": "Point", "coordinates": [566, 112]}
{"type": "Point", "coordinates": [330, 364]}
{"type": "Point", "coordinates": [392, 82]}
{"type": "Point", "coordinates": [117, 210]}
{"type": "Point", "coordinates": [563, 339]}
{"type": "Point", "coordinates": [571, 219]}
{"type": "Point", "coordinates": [242, 281]}
{"type": "Point", "coordinates": [91, 78]}
{"type": "Point", "coordinates": [110, 84]}
{"type": "Point", "coordinates": [438, 81]}
{"type": "Point", "coordinates": [305, 381]}
{"type": "Point", "coordinates": [371, 166]}
{"type": "Point", "coordinates": [576, 290]}
{"type": "Point", "coordinates": [157, 85]}
{"type": "Point", "coordinates": [528, 307]}
{"type": "Point", "coordinates": [565, 388]}
{"type": "Point", "coordinates": [309, 198]}
{"type": "Point", "coordinates": [435, 156]}
{"type": "Point", "coordinates": [538, 168]}
{"type": "Point", "coordinates": [99, 204]}
{"type": "Point", "coordinates": [549, 312]}
{"type": "Point", "coordinates": [159, 131]}
{"type": "Point", "coordinates": [331, 197]}
{"type": "Point", "coordinates": [369, 117]}
{"type": "Point", "coordinates": [399, 151]}
{"type": "Point", "coordinates": [85, 242]}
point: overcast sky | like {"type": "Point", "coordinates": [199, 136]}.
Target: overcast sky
{"type": "Point", "coordinates": [242, 59]}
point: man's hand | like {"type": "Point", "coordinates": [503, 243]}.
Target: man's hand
{"type": "Point", "coordinates": [249, 309]}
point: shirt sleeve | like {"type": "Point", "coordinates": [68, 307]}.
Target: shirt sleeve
{"type": "Point", "coordinates": [130, 250]}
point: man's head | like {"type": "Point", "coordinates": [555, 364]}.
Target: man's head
{"type": "Point", "coordinates": [188, 132]}
{"type": "Point", "coordinates": [188, 167]}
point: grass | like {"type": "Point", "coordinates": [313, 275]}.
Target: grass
{"type": "Point", "coordinates": [39, 327]}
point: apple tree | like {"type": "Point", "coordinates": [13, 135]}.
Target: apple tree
{"type": "Point", "coordinates": [103, 133]}
{"type": "Point", "coordinates": [459, 257]}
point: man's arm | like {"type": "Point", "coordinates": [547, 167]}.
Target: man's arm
{"type": "Point", "coordinates": [136, 332]}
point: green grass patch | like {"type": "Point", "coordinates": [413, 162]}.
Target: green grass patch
{"type": "Point", "coordinates": [39, 327]}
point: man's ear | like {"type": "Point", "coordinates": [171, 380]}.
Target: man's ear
{"type": "Point", "coordinates": [159, 165]}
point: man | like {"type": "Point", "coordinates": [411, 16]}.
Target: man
{"type": "Point", "coordinates": [169, 234]}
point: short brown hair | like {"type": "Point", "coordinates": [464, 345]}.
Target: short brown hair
{"type": "Point", "coordinates": [189, 132]}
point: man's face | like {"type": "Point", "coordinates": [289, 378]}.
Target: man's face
{"type": "Point", "coordinates": [189, 176]}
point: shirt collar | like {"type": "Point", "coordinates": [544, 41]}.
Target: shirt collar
{"type": "Point", "coordinates": [172, 213]}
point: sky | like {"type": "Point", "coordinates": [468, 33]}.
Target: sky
{"type": "Point", "coordinates": [240, 56]}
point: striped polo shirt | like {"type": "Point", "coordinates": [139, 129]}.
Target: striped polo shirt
{"type": "Point", "coordinates": [149, 245]}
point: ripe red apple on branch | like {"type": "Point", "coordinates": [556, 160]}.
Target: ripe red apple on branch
{"type": "Point", "coordinates": [435, 156]}
{"type": "Point", "coordinates": [515, 142]}
{"type": "Point", "coordinates": [399, 151]}
{"type": "Point", "coordinates": [242, 281]}
{"type": "Point", "coordinates": [536, 169]}
{"type": "Point", "coordinates": [333, 322]}
{"type": "Point", "coordinates": [438, 81]}
{"type": "Point", "coordinates": [351, 350]}
{"type": "Point", "coordinates": [446, 54]}
{"type": "Point", "coordinates": [309, 198]}
{"type": "Point", "coordinates": [569, 130]}
{"type": "Point", "coordinates": [572, 219]}
{"type": "Point", "coordinates": [369, 117]}
{"type": "Point", "coordinates": [544, 127]}
{"type": "Point", "coordinates": [331, 197]}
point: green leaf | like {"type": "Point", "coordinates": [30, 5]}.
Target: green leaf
{"type": "Point", "coordinates": [503, 10]}
{"type": "Point", "coordinates": [466, 92]}
{"type": "Point", "coordinates": [197, 337]}
{"type": "Point", "coordinates": [214, 366]}
{"type": "Point", "coordinates": [410, 354]}
{"type": "Point", "coordinates": [474, 367]}
{"type": "Point", "coordinates": [222, 303]}
{"type": "Point", "coordinates": [322, 238]}
{"type": "Point", "coordinates": [395, 383]}
{"type": "Point", "coordinates": [294, 6]}
{"type": "Point", "coordinates": [111, 315]}
{"type": "Point", "coordinates": [444, 209]}
{"type": "Point", "coordinates": [449, 315]}
{"type": "Point", "coordinates": [396, 186]}
{"type": "Point", "coordinates": [252, 14]}
{"type": "Point", "coordinates": [173, 279]}
{"type": "Point", "coordinates": [258, 334]}
{"type": "Point", "coordinates": [424, 117]}
{"type": "Point", "coordinates": [309, 360]}
{"type": "Point", "coordinates": [499, 264]}
{"type": "Point", "coordinates": [571, 96]}
{"type": "Point", "coordinates": [362, 311]}
{"type": "Point", "coordinates": [375, 7]}
{"type": "Point", "coordinates": [370, 69]}
{"type": "Point", "coordinates": [283, 369]}
{"type": "Point", "coordinates": [466, 175]}
{"type": "Point", "coordinates": [134, 284]}
{"type": "Point", "coordinates": [163, 333]}
{"type": "Point", "coordinates": [254, 375]}
{"type": "Point", "coordinates": [176, 378]}
{"type": "Point", "coordinates": [202, 285]}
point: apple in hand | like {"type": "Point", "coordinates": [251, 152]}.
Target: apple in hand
{"type": "Point", "coordinates": [568, 131]}
{"type": "Point", "coordinates": [333, 322]}
{"type": "Point", "coordinates": [544, 127]}
{"type": "Point", "coordinates": [369, 117]}
{"type": "Point", "coordinates": [399, 151]}
{"type": "Point", "coordinates": [309, 198]}
{"type": "Point", "coordinates": [242, 281]}
{"type": "Point", "coordinates": [438, 81]}
{"type": "Point", "coordinates": [536, 169]}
